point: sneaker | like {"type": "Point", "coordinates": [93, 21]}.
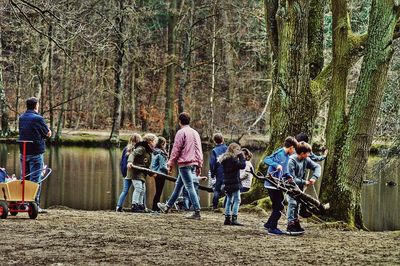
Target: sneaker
{"type": "Point", "coordinates": [40, 210]}
{"type": "Point", "coordinates": [298, 227]}
{"type": "Point", "coordinates": [266, 226]}
{"type": "Point", "coordinates": [275, 231]}
{"type": "Point", "coordinates": [118, 209]}
{"type": "Point", "coordinates": [164, 208]}
{"type": "Point", "coordinates": [194, 216]}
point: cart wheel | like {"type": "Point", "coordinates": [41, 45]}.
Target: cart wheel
{"type": "Point", "coordinates": [33, 210]}
{"type": "Point", "coordinates": [3, 210]}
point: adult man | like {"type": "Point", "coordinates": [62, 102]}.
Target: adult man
{"type": "Point", "coordinates": [188, 154]}
{"type": "Point", "coordinates": [32, 127]}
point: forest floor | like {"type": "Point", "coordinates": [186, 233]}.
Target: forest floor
{"type": "Point", "coordinates": [65, 236]}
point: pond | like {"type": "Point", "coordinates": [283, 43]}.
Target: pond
{"type": "Point", "coordinates": [89, 179]}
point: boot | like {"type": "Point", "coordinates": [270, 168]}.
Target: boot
{"type": "Point", "coordinates": [142, 208]}
{"type": "Point", "coordinates": [136, 208]}
{"type": "Point", "coordinates": [235, 221]}
{"type": "Point", "coordinates": [227, 220]}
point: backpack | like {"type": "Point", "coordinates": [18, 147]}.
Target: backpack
{"type": "Point", "coordinates": [124, 163]}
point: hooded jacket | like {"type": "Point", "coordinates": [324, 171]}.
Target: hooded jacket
{"type": "Point", "coordinates": [232, 165]}
{"type": "Point", "coordinates": [140, 156]}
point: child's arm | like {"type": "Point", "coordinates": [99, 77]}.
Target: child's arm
{"type": "Point", "coordinates": [317, 158]}
{"type": "Point", "coordinates": [155, 162]}
{"type": "Point", "coordinates": [292, 173]}
{"type": "Point", "coordinates": [316, 168]}
{"type": "Point", "coordinates": [131, 158]}
{"type": "Point", "coordinates": [213, 161]}
{"type": "Point", "coordinates": [272, 161]}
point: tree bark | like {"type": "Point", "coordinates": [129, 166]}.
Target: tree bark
{"type": "Point", "coordinates": [50, 80]}
{"type": "Point", "coordinates": [316, 36]}
{"type": "Point", "coordinates": [3, 101]}
{"type": "Point", "coordinates": [170, 73]}
{"type": "Point", "coordinates": [365, 109]}
{"type": "Point", "coordinates": [118, 68]}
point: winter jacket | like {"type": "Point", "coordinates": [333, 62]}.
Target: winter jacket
{"type": "Point", "coordinates": [279, 157]}
{"type": "Point", "coordinates": [33, 127]}
{"type": "Point", "coordinates": [216, 169]}
{"type": "Point", "coordinates": [232, 165]}
{"type": "Point", "coordinates": [140, 156]}
{"type": "Point", "coordinates": [159, 161]}
{"type": "Point", "coordinates": [187, 148]}
{"type": "Point", "coordinates": [245, 177]}
{"type": "Point", "coordinates": [298, 168]}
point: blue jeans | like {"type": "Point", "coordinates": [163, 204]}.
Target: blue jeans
{"type": "Point", "coordinates": [33, 166]}
{"type": "Point", "coordinates": [138, 193]}
{"type": "Point", "coordinates": [186, 200]}
{"type": "Point", "coordinates": [232, 199]}
{"type": "Point", "coordinates": [124, 193]}
{"type": "Point", "coordinates": [217, 192]}
{"type": "Point", "coordinates": [185, 179]}
{"type": "Point", "coordinates": [293, 209]}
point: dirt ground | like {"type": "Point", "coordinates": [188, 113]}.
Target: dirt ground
{"type": "Point", "coordinates": [64, 236]}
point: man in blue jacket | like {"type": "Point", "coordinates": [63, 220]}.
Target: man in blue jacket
{"type": "Point", "coordinates": [32, 127]}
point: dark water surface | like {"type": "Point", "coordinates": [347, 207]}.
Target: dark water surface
{"type": "Point", "coordinates": [89, 179]}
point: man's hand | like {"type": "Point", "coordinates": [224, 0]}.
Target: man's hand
{"type": "Point", "coordinates": [198, 170]}
{"type": "Point", "coordinates": [326, 152]}
{"type": "Point", "coordinates": [49, 134]}
{"type": "Point", "coordinates": [279, 167]}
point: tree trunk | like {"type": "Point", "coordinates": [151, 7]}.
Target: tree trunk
{"type": "Point", "coordinates": [170, 74]}
{"type": "Point", "coordinates": [213, 68]}
{"type": "Point", "coordinates": [335, 129]}
{"type": "Point", "coordinates": [365, 109]}
{"type": "Point", "coordinates": [293, 104]}
{"type": "Point", "coordinates": [3, 101]}
{"type": "Point", "coordinates": [18, 92]}
{"type": "Point", "coordinates": [131, 95]}
{"type": "Point", "coordinates": [50, 78]}
{"type": "Point", "coordinates": [186, 63]}
{"type": "Point", "coordinates": [228, 53]}
{"type": "Point", "coordinates": [316, 37]}
{"type": "Point", "coordinates": [118, 67]}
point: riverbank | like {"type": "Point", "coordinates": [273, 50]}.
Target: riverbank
{"type": "Point", "coordinates": [66, 236]}
{"type": "Point", "coordinates": [100, 138]}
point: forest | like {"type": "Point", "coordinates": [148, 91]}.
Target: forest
{"type": "Point", "coordinates": [273, 67]}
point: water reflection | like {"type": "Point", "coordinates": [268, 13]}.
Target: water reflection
{"type": "Point", "coordinates": [89, 179]}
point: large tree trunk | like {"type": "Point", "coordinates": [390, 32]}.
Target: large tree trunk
{"type": "Point", "coordinates": [229, 53]}
{"type": "Point", "coordinates": [118, 68]}
{"type": "Point", "coordinates": [316, 37]}
{"type": "Point", "coordinates": [3, 103]}
{"type": "Point", "coordinates": [293, 105]}
{"type": "Point", "coordinates": [364, 110]}
{"type": "Point", "coordinates": [170, 78]}
{"type": "Point", "coordinates": [186, 63]}
{"type": "Point", "coordinates": [335, 129]}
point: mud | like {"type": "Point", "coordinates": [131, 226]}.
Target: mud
{"type": "Point", "coordinates": [65, 236]}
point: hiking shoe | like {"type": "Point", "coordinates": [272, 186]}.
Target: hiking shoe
{"type": "Point", "coordinates": [164, 208]}
{"type": "Point", "coordinates": [118, 209]}
{"type": "Point", "coordinates": [275, 231]}
{"type": "Point", "coordinates": [194, 216]}
{"type": "Point", "coordinates": [294, 227]}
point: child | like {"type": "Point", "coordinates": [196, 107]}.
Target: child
{"type": "Point", "coordinates": [159, 164]}
{"type": "Point", "coordinates": [232, 161]}
{"type": "Point", "coordinates": [141, 156]}
{"type": "Point", "coordinates": [135, 138]}
{"type": "Point", "coordinates": [278, 167]}
{"type": "Point", "coordinates": [298, 163]}
{"type": "Point", "coordinates": [216, 170]}
{"type": "Point", "coordinates": [245, 177]}
{"type": "Point", "coordinates": [304, 137]}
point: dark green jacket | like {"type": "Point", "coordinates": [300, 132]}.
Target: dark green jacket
{"type": "Point", "coordinates": [140, 156]}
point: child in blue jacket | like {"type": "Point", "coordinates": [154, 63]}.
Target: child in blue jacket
{"type": "Point", "coordinates": [278, 167]}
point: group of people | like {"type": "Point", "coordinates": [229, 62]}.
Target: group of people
{"type": "Point", "coordinates": [229, 169]}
